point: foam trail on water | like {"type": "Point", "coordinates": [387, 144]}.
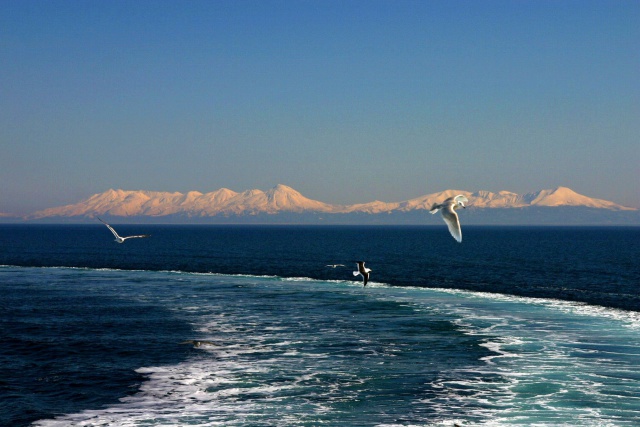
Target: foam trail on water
{"type": "Point", "coordinates": [553, 362]}
{"type": "Point", "coordinates": [290, 354]}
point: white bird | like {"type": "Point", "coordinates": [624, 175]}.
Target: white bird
{"type": "Point", "coordinates": [362, 271]}
{"type": "Point", "coordinates": [199, 343]}
{"type": "Point", "coordinates": [122, 239]}
{"type": "Point", "coordinates": [449, 214]}
{"type": "Point", "coordinates": [334, 265]}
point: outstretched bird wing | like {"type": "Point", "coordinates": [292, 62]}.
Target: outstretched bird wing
{"type": "Point", "coordinates": [110, 228]}
{"type": "Point", "coordinates": [137, 237]}
{"type": "Point", "coordinates": [451, 219]}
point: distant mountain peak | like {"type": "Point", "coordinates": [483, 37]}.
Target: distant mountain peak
{"type": "Point", "coordinates": [564, 196]}
{"type": "Point", "coordinates": [283, 198]}
{"type": "Point", "coordinates": [282, 187]}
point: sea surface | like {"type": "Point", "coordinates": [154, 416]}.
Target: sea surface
{"type": "Point", "coordinates": [512, 327]}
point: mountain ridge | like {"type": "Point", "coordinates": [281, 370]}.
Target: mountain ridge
{"type": "Point", "coordinates": [284, 199]}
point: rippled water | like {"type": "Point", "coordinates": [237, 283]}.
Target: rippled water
{"type": "Point", "coordinates": [101, 343]}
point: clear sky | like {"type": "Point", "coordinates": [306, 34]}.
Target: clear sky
{"type": "Point", "coordinates": [345, 101]}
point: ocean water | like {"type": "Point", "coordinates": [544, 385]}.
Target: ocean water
{"type": "Point", "coordinates": [513, 327]}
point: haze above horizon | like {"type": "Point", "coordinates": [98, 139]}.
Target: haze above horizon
{"type": "Point", "coordinates": [346, 101]}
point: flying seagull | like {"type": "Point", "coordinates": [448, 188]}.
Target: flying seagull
{"type": "Point", "coordinates": [449, 214]}
{"type": "Point", "coordinates": [199, 343]}
{"type": "Point", "coordinates": [334, 265]}
{"type": "Point", "coordinates": [122, 239]}
{"type": "Point", "coordinates": [363, 271]}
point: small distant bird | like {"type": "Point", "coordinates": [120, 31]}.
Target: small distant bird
{"type": "Point", "coordinates": [199, 343]}
{"type": "Point", "coordinates": [334, 265]}
{"type": "Point", "coordinates": [449, 214]}
{"type": "Point", "coordinates": [122, 239]}
{"type": "Point", "coordinates": [363, 271]}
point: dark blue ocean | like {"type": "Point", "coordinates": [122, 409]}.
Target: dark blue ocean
{"type": "Point", "coordinates": [512, 327]}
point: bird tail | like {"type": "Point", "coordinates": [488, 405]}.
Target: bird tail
{"type": "Point", "coordinates": [434, 208]}
{"type": "Point", "coordinates": [355, 273]}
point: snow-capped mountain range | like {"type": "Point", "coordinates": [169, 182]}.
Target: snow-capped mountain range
{"type": "Point", "coordinates": [284, 199]}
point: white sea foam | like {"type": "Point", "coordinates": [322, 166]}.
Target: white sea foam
{"type": "Point", "coordinates": [543, 356]}
{"type": "Point", "coordinates": [205, 391]}
{"type": "Point", "coordinates": [628, 318]}
{"type": "Point", "coordinates": [548, 353]}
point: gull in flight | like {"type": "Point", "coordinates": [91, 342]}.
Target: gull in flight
{"type": "Point", "coordinates": [199, 343]}
{"type": "Point", "coordinates": [449, 214]}
{"type": "Point", "coordinates": [122, 239]}
{"type": "Point", "coordinates": [334, 265]}
{"type": "Point", "coordinates": [362, 270]}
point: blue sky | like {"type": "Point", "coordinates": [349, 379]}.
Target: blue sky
{"type": "Point", "coordinates": [345, 101]}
